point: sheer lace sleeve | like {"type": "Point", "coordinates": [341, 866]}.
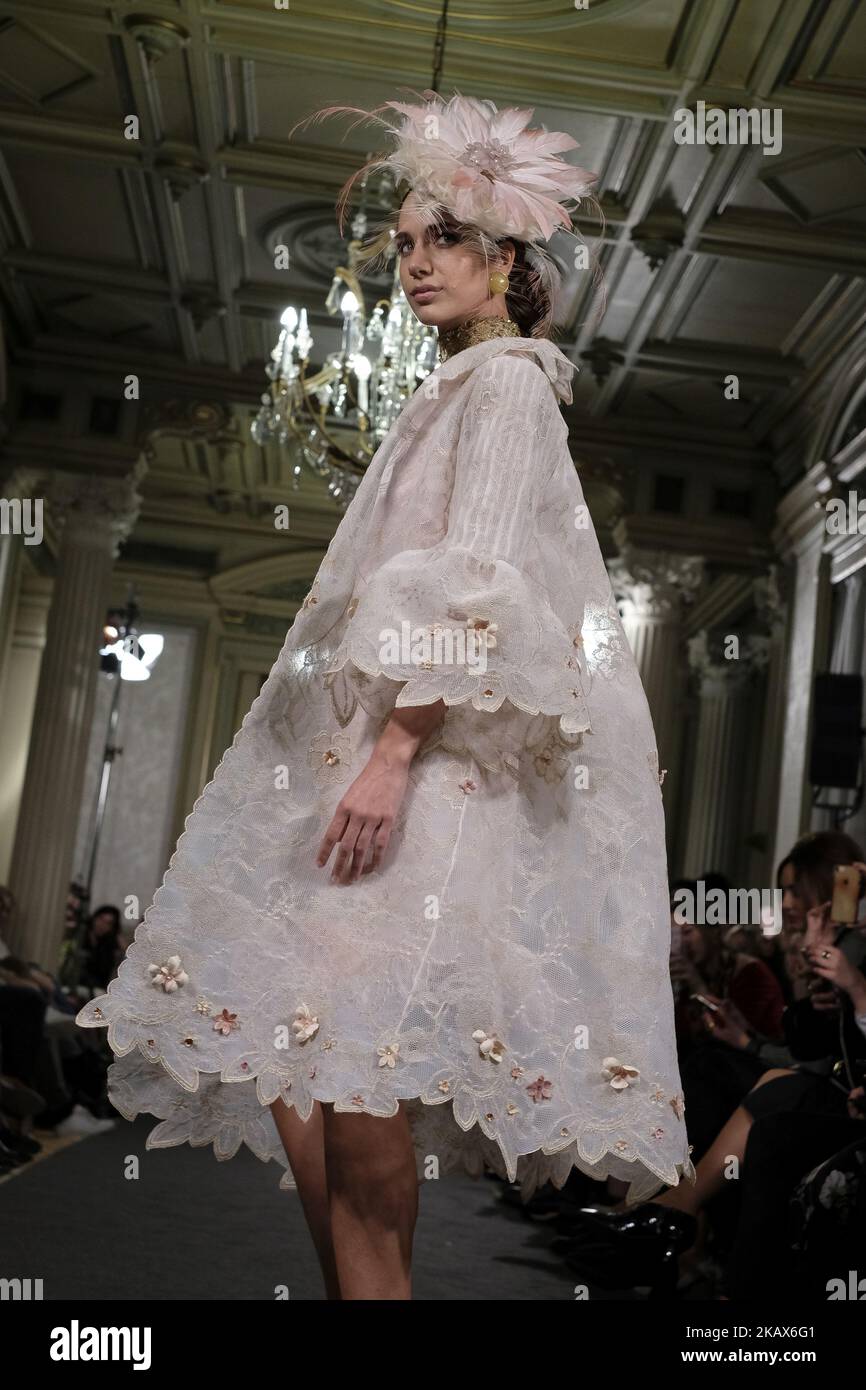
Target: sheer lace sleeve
{"type": "Point", "coordinates": [465, 621]}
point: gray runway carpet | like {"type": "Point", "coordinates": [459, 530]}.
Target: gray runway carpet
{"type": "Point", "coordinates": [192, 1228]}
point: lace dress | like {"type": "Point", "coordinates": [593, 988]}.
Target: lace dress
{"type": "Point", "coordinates": [505, 973]}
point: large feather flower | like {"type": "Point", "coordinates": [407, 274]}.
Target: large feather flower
{"type": "Point", "coordinates": [487, 166]}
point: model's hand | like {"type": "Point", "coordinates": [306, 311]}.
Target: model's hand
{"type": "Point", "coordinates": [365, 816]}
{"type": "Point", "coordinates": [366, 812]}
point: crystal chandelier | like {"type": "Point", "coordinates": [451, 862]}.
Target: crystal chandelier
{"type": "Point", "coordinates": [334, 420]}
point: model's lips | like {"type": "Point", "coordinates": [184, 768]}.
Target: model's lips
{"type": "Point", "coordinates": [427, 292]}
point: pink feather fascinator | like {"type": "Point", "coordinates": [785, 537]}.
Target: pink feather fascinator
{"type": "Point", "coordinates": [487, 166]}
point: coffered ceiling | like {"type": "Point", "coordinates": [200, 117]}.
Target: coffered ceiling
{"type": "Point", "coordinates": [153, 255]}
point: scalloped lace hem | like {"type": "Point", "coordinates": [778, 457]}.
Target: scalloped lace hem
{"type": "Point", "coordinates": [468, 1153]}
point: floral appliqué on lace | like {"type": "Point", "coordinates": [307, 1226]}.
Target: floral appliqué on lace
{"type": "Point", "coordinates": [168, 976]}
{"type": "Point", "coordinates": [330, 755]}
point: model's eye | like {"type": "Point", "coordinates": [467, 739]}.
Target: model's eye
{"type": "Point", "coordinates": [402, 246]}
{"type": "Point", "coordinates": [449, 237]}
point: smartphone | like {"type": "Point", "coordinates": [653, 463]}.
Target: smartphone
{"type": "Point", "coordinates": [846, 893]}
{"type": "Point", "coordinates": [704, 1003]}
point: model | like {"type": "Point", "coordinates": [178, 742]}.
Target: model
{"type": "Point", "coordinates": [418, 921]}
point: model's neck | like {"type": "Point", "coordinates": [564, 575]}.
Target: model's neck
{"type": "Point", "coordinates": [466, 335]}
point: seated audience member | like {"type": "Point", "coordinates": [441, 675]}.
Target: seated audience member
{"type": "Point", "coordinates": [102, 949]}
{"type": "Point", "coordinates": [641, 1246]}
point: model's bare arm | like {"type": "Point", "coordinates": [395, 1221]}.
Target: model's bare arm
{"type": "Point", "coordinates": [366, 812]}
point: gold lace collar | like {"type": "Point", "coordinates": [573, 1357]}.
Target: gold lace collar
{"type": "Point", "coordinates": [466, 335]}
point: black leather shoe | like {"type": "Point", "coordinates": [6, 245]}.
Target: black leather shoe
{"type": "Point", "coordinates": [19, 1143]}
{"type": "Point", "coordinates": [623, 1249]}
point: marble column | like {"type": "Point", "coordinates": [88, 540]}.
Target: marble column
{"type": "Point", "coordinates": [846, 658]}
{"type": "Point", "coordinates": [772, 610]}
{"type": "Point", "coordinates": [716, 823]}
{"type": "Point", "coordinates": [21, 485]}
{"type": "Point", "coordinates": [24, 485]}
{"type": "Point", "coordinates": [95, 514]}
{"type": "Point", "coordinates": [801, 538]}
{"type": "Point", "coordinates": [651, 588]}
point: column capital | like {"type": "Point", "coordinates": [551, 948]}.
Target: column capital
{"type": "Point", "coordinates": [22, 482]}
{"type": "Point", "coordinates": [770, 601]}
{"type": "Point", "coordinates": [655, 582]}
{"type": "Point", "coordinates": [96, 512]}
{"type": "Point", "coordinates": [725, 676]}
{"type": "Point", "coordinates": [801, 516]}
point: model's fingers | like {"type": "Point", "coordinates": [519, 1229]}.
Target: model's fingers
{"type": "Point", "coordinates": [380, 843]}
{"type": "Point", "coordinates": [371, 859]}
{"type": "Point", "coordinates": [332, 836]}
{"type": "Point", "coordinates": [346, 848]}
{"type": "Point", "coordinates": [359, 858]}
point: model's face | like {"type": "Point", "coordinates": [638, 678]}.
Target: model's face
{"type": "Point", "coordinates": [443, 282]}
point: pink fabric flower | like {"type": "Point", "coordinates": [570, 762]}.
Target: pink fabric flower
{"type": "Point", "coordinates": [620, 1074]}
{"type": "Point", "coordinates": [540, 1089]}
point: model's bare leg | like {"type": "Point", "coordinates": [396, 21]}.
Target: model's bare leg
{"type": "Point", "coordinates": [373, 1195]}
{"type": "Point", "coordinates": [303, 1141]}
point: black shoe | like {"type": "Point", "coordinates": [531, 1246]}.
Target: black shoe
{"type": "Point", "coordinates": [19, 1143]}
{"type": "Point", "coordinates": [626, 1249]}
{"type": "Point", "coordinates": [10, 1160]}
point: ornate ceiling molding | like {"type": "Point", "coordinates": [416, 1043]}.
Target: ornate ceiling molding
{"type": "Point", "coordinates": [311, 234]}
{"type": "Point", "coordinates": [267, 577]}
{"type": "Point", "coordinates": [156, 35]}
{"type": "Point", "coordinates": [503, 17]}
{"type": "Point", "coordinates": [189, 214]}
{"type": "Point", "coordinates": [188, 419]}
{"type": "Point", "coordinates": [842, 403]}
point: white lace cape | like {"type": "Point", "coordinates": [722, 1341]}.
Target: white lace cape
{"type": "Point", "coordinates": [506, 974]}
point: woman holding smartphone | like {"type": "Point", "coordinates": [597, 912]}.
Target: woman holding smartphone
{"type": "Point", "coordinates": [827, 1044]}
